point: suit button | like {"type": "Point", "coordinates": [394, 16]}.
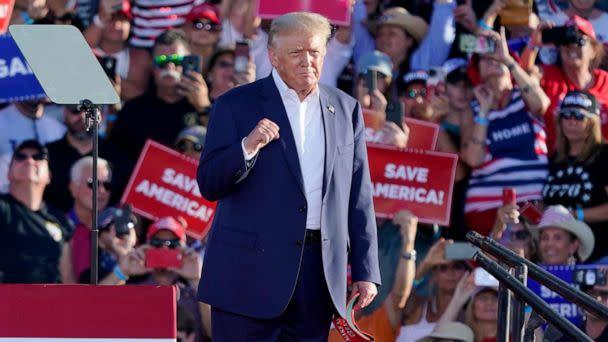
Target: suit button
{"type": "Point", "coordinates": [302, 209]}
{"type": "Point", "coordinates": [298, 243]}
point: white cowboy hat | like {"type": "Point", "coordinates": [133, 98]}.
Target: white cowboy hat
{"type": "Point", "coordinates": [557, 216]}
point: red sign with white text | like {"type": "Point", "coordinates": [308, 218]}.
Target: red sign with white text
{"type": "Point", "coordinates": [423, 134]}
{"type": "Point", "coordinates": [164, 184]}
{"type": "Point", "coordinates": [421, 182]}
{"type": "Point", "coordinates": [336, 11]}
{"type": "Point", "coordinates": [373, 121]}
{"type": "Point", "coordinates": [6, 10]}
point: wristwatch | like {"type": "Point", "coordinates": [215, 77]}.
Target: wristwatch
{"type": "Point", "coordinates": [411, 255]}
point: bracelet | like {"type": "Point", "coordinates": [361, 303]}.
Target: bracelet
{"type": "Point", "coordinates": [484, 26]}
{"type": "Point", "coordinates": [580, 214]}
{"type": "Point", "coordinates": [97, 21]}
{"type": "Point", "coordinates": [411, 255]}
{"type": "Point", "coordinates": [481, 120]}
{"type": "Point", "coordinates": [118, 273]}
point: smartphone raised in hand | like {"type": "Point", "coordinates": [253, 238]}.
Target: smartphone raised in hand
{"type": "Point", "coordinates": [163, 258]}
{"type": "Point", "coordinates": [241, 55]}
{"type": "Point", "coordinates": [371, 80]}
{"type": "Point", "coordinates": [108, 64]}
{"type": "Point", "coordinates": [460, 251]}
{"type": "Point", "coordinates": [192, 63]}
{"type": "Point", "coordinates": [470, 43]}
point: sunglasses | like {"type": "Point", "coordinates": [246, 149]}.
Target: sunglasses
{"type": "Point", "coordinates": [454, 267]}
{"type": "Point", "coordinates": [185, 145]}
{"type": "Point", "coordinates": [521, 235]}
{"type": "Point", "coordinates": [107, 185]}
{"type": "Point", "coordinates": [200, 25]}
{"type": "Point", "coordinates": [579, 41]}
{"type": "Point", "coordinates": [158, 243]}
{"type": "Point", "coordinates": [19, 156]}
{"type": "Point", "coordinates": [412, 94]}
{"type": "Point", "coordinates": [572, 114]}
{"type": "Point", "coordinates": [162, 61]}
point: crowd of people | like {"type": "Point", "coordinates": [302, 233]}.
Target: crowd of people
{"type": "Point", "coordinates": [530, 115]}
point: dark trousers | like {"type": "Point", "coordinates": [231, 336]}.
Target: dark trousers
{"type": "Point", "coordinates": [307, 317]}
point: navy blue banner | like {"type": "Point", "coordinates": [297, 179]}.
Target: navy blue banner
{"type": "Point", "coordinates": [17, 81]}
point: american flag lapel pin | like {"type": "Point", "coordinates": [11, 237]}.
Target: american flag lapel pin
{"type": "Point", "coordinates": [331, 109]}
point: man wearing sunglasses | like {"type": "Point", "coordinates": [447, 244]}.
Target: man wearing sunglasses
{"type": "Point", "coordinates": [75, 144]}
{"type": "Point", "coordinates": [33, 238]}
{"type": "Point", "coordinates": [81, 189]}
{"type": "Point", "coordinates": [191, 141]}
{"type": "Point", "coordinates": [412, 93]}
{"type": "Point", "coordinates": [162, 112]}
{"type": "Point", "coordinates": [285, 158]}
{"type": "Point", "coordinates": [22, 121]}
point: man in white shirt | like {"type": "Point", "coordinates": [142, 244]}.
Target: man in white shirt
{"type": "Point", "coordinates": [23, 121]}
{"type": "Point", "coordinates": [285, 158]}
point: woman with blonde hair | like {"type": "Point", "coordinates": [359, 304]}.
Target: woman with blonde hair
{"type": "Point", "coordinates": [577, 169]}
{"type": "Point", "coordinates": [481, 314]}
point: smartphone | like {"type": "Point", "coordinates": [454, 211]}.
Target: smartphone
{"type": "Point", "coordinates": [241, 55]}
{"type": "Point", "coordinates": [108, 63]}
{"type": "Point", "coordinates": [460, 251]}
{"type": "Point", "coordinates": [469, 43]}
{"type": "Point", "coordinates": [560, 35]}
{"type": "Point", "coordinates": [163, 258]}
{"type": "Point", "coordinates": [531, 213]}
{"type": "Point", "coordinates": [394, 113]}
{"type": "Point", "coordinates": [122, 220]}
{"type": "Point", "coordinates": [509, 196]}
{"type": "Point", "coordinates": [192, 63]}
{"type": "Point", "coordinates": [590, 277]}
{"type": "Point", "coordinates": [371, 80]}
{"type": "Point", "coordinates": [483, 278]}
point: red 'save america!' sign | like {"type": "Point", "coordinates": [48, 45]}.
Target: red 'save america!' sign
{"type": "Point", "coordinates": [164, 184]}
{"type": "Point", "coordinates": [6, 9]}
{"type": "Point", "coordinates": [421, 182]}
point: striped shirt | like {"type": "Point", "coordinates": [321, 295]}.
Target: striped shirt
{"type": "Point", "coordinates": [516, 157]}
{"type": "Point", "coordinates": [153, 17]}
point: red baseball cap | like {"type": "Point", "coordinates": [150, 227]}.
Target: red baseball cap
{"type": "Point", "coordinates": [582, 25]}
{"type": "Point", "coordinates": [125, 9]}
{"type": "Point", "coordinates": [167, 223]}
{"type": "Point", "coordinates": [204, 11]}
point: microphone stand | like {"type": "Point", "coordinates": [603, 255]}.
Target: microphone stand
{"type": "Point", "coordinates": [540, 275]}
{"type": "Point", "coordinates": [92, 119]}
{"type": "Point", "coordinates": [529, 297]}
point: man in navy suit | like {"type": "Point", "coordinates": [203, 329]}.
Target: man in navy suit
{"type": "Point", "coordinates": [285, 158]}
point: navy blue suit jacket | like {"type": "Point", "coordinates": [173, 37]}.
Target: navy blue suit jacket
{"type": "Point", "coordinates": [255, 243]}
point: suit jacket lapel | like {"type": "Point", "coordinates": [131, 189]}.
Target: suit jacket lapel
{"type": "Point", "coordinates": [328, 110]}
{"type": "Point", "coordinates": [274, 110]}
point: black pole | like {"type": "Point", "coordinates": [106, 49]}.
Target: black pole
{"type": "Point", "coordinates": [517, 306]}
{"type": "Point", "coordinates": [91, 122]}
{"type": "Point", "coordinates": [529, 297]}
{"type": "Point", "coordinates": [540, 275]}
{"type": "Point", "coordinates": [504, 314]}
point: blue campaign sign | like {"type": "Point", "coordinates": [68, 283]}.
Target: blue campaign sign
{"type": "Point", "coordinates": [17, 81]}
{"type": "Point", "coordinates": [566, 309]}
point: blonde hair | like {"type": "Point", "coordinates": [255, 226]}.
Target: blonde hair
{"type": "Point", "coordinates": [299, 22]}
{"type": "Point", "coordinates": [593, 138]}
{"type": "Point", "coordinates": [469, 315]}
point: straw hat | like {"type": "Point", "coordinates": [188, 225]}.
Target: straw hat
{"type": "Point", "coordinates": [398, 16]}
{"type": "Point", "coordinates": [557, 216]}
{"type": "Point", "coordinates": [450, 331]}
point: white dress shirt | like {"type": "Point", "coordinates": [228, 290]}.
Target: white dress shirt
{"type": "Point", "coordinates": [306, 123]}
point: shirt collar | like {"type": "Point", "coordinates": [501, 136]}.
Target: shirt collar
{"type": "Point", "coordinates": [285, 91]}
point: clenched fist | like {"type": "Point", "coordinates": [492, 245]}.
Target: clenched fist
{"type": "Point", "coordinates": [263, 133]}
